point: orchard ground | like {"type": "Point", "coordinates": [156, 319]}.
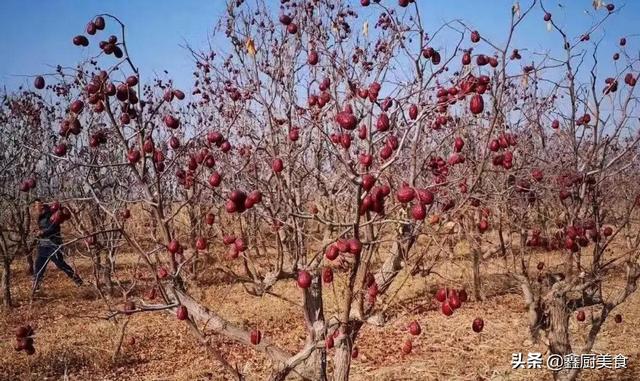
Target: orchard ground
{"type": "Point", "coordinates": [74, 340]}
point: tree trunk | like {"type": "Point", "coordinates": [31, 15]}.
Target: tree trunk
{"type": "Point", "coordinates": [29, 258]}
{"type": "Point", "coordinates": [503, 248]}
{"type": "Point", "coordinates": [6, 281]}
{"type": "Point", "coordinates": [477, 283]}
{"type": "Point", "coordinates": [193, 230]}
{"type": "Point", "coordinates": [314, 319]}
{"type": "Point", "coordinates": [342, 361]}
{"type": "Point", "coordinates": [107, 270]}
{"type": "Point", "coordinates": [559, 331]}
{"type": "Point", "coordinates": [98, 268]}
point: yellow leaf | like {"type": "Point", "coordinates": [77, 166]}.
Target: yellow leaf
{"type": "Point", "coordinates": [515, 9]}
{"type": "Point", "coordinates": [597, 4]}
{"type": "Point", "coordinates": [251, 48]}
{"type": "Point", "coordinates": [462, 249]}
{"type": "Point", "coordinates": [365, 29]}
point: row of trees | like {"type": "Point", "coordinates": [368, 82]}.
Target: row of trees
{"type": "Point", "coordinates": [314, 145]}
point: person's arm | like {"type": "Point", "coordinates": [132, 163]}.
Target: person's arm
{"type": "Point", "coordinates": [49, 229]}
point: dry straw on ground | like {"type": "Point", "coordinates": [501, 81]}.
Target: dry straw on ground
{"type": "Point", "coordinates": [73, 341]}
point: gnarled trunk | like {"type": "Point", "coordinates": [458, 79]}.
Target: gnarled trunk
{"type": "Point", "coordinates": [477, 282]}
{"type": "Point", "coordinates": [344, 350]}
{"type": "Point", "coordinates": [314, 319]}
{"type": "Point", "coordinates": [311, 362]}
{"type": "Point", "coordinates": [342, 361]}
{"type": "Point", "coordinates": [287, 362]}
{"type": "Point", "coordinates": [559, 331]}
{"type": "Point", "coordinates": [6, 281]}
{"type": "Point", "coordinates": [108, 269]}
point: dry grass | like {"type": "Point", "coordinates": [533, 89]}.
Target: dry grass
{"type": "Point", "coordinates": [73, 340]}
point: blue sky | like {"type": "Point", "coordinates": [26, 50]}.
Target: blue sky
{"type": "Point", "coordinates": [37, 34]}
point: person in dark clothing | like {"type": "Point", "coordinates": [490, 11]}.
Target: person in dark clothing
{"type": "Point", "coordinates": [49, 247]}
